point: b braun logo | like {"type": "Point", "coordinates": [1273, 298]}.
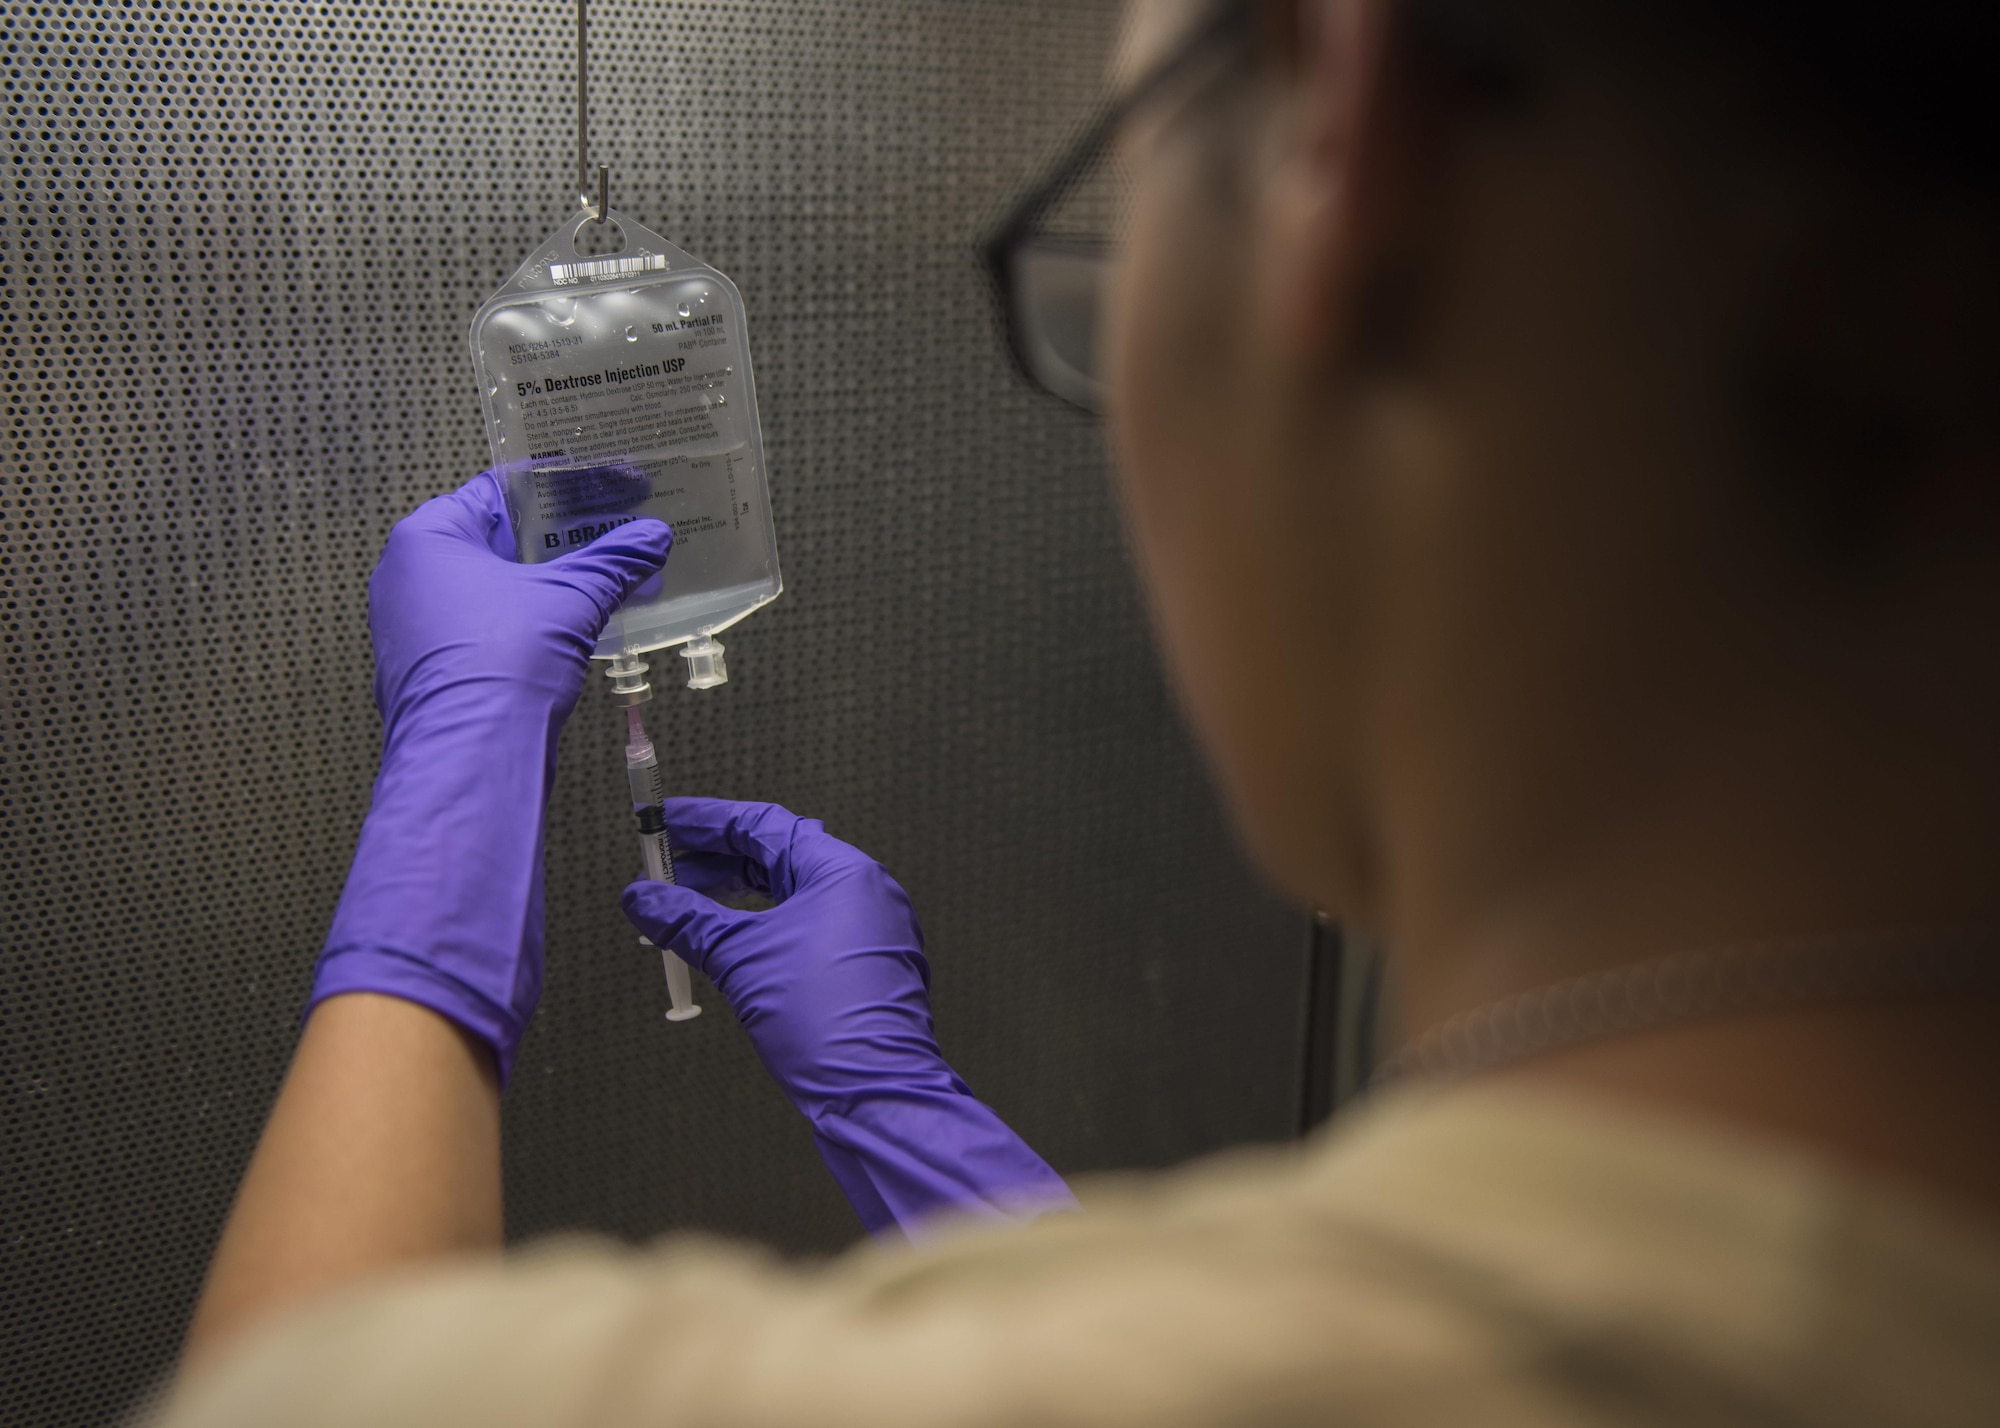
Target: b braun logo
{"type": "Point", "coordinates": [581, 535]}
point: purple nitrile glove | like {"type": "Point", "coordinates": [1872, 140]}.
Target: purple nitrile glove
{"type": "Point", "coordinates": [478, 660]}
{"type": "Point", "coordinates": [834, 990]}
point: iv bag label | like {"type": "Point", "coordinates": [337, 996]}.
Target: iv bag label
{"type": "Point", "coordinates": [618, 388]}
{"type": "Point", "coordinates": [635, 406]}
{"type": "Point", "coordinates": [653, 405]}
{"type": "Point", "coordinates": [719, 535]}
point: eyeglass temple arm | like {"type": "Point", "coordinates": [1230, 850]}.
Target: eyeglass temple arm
{"type": "Point", "coordinates": [1080, 151]}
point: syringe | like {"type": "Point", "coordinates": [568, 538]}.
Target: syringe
{"type": "Point", "coordinates": [642, 771]}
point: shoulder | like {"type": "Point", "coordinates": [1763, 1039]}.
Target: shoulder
{"type": "Point", "coordinates": [1478, 1257]}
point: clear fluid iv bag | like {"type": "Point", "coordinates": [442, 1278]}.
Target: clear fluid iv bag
{"type": "Point", "coordinates": [619, 386]}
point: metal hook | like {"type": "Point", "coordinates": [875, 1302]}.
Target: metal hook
{"type": "Point", "coordinates": [583, 122]}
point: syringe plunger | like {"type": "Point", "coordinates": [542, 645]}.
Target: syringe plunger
{"type": "Point", "coordinates": [680, 988]}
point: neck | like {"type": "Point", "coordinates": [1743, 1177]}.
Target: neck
{"type": "Point", "coordinates": [1904, 1092]}
{"type": "Point", "coordinates": [1793, 826]}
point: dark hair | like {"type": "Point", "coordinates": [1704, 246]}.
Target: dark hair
{"type": "Point", "coordinates": [1846, 422]}
{"type": "Point", "coordinates": [1915, 81]}
{"type": "Point", "coordinates": [1916, 78]}
{"type": "Point", "coordinates": [1854, 385]}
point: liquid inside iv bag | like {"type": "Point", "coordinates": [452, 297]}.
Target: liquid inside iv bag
{"type": "Point", "coordinates": [619, 386]}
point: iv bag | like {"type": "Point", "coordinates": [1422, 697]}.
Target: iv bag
{"type": "Point", "coordinates": [619, 386]}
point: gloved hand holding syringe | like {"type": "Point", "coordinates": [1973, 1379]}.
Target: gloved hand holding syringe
{"type": "Point", "coordinates": [642, 771]}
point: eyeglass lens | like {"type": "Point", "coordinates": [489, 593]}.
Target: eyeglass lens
{"type": "Point", "coordinates": [1058, 289]}
{"type": "Point", "coordinates": [1059, 269]}
{"type": "Point", "coordinates": [1060, 277]}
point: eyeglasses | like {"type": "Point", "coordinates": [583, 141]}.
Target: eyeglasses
{"type": "Point", "coordinates": [1050, 257]}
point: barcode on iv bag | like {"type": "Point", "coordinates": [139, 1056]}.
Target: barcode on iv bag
{"type": "Point", "coordinates": [561, 273]}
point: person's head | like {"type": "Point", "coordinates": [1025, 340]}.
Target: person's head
{"type": "Point", "coordinates": [1534, 413]}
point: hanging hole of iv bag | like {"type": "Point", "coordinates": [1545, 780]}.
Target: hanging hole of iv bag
{"type": "Point", "coordinates": [600, 240]}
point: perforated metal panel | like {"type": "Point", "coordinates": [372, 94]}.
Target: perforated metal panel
{"type": "Point", "coordinates": [240, 248]}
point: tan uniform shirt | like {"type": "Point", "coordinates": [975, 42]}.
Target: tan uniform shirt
{"type": "Point", "coordinates": [1488, 1256]}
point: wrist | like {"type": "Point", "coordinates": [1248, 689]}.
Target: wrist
{"type": "Point", "coordinates": [904, 1158]}
{"type": "Point", "coordinates": [443, 902]}
{"type": "Point", "coordinates": [452, 770]}
{"type": "Point", "coordinates": [391, 972]}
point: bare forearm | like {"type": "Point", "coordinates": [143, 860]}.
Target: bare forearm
{"type": "Point", "coordinates": [383, 1149]}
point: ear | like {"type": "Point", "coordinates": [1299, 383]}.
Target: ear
{"type": "Point", "coordinates": [1338, 203]}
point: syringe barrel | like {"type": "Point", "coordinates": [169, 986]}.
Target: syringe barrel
{"type": "Point", "coordinates": [653, 845]}
{"type": "Point", "coordinates": [642, 775]}
{"type": "Point", "coordinates": [656, 863]}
